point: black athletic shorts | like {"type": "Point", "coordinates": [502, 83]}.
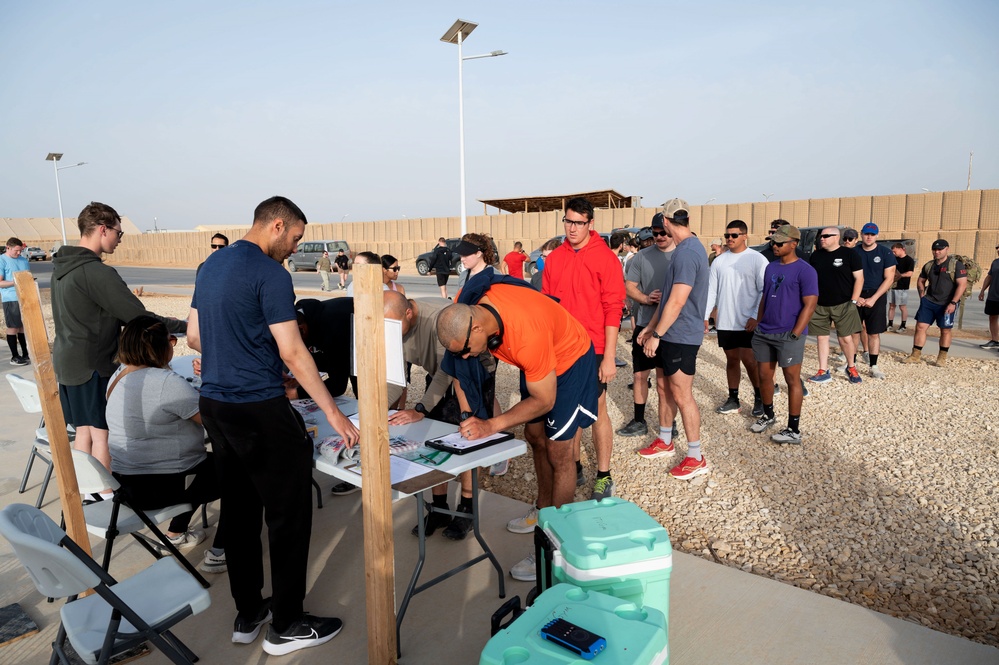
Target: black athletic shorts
{"type": "Point", "coordinates": [639, 361]}
{"type": "Point", "coordinates": [875, 318]}
{"type": "Point", "coordinates": [678, 357]}
{"type": "Point", "coordinates": [735, 339]}
{"type": "Point", "coordinates": [442, 278]}
{"type": "Point", "coordinates": [991, 307]}
{"type": "Point", "coordinates": [84, 405]}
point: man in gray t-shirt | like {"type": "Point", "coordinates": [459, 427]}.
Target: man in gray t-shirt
{"type": "Point", "coordinates": [643, 279]}
{"type": "Point", "coordinates": [679, 324]}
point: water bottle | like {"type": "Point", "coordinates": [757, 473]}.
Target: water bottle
{"type": "Point", "coordinates": [948, 320]}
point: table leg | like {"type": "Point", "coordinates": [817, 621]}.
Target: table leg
{"type": "Point", "coordinates": [478, 534]}
{"type": "Point", "coordinates": [421, 531]}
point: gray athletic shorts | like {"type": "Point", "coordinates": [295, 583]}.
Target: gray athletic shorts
{"type": "Point", "coordinates": [778, 348]}
{"type": "Point", "coordinates": [898, 297]}
{"type": "Point", "coordinates": [12, 314]}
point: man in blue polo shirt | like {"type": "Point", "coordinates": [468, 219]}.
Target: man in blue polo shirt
{"type": "Point", "coordinates": [243, 321]}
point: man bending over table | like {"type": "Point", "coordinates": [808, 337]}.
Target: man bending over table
{"type": "Point", "coordinates": [558, 379]}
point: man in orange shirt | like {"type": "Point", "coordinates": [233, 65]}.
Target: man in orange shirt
{"type": "Point", "coordinates": [558, 380]}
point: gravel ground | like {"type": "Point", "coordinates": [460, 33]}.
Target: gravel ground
{"type": "Point", "coordinates": [890, 503]}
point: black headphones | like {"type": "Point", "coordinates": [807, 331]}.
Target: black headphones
{"type": "Point", "coordinates": [495, 340]}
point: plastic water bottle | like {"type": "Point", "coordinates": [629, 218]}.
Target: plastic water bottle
{"type": "Point", "coordinates": [948, 320]}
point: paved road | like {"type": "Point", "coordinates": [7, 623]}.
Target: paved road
{"type": "Point", "coordinates": [181, 280]}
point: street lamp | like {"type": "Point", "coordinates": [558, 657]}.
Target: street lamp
{"type": "Point", "coordinates": [766, 197]}
{"type": "Point", "coordinates": [456, 34]}
{"type": "Point", "coordinates": [345, 216]}
{"type": "Point", "coordinates": [54, 157]}
{"type": "Point", "coordinates": [710, 200]}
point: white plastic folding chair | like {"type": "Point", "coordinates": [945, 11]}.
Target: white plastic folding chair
{"type": "Point", "coordinates": [115, 517]}
{"type": "Point", "coordinates": [27, 394]}
{"type": "Point", "coordinates": [120, 615]}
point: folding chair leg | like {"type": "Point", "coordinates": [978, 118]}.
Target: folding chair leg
{"type": "Point", "coordinates": [27, 471]}
{"type": "Point", "coordinates": [45, 485]}
{"type": "Point", "coordinates": [204, 516]}
{"type": "Point", "coordinates": [180, 646]}
{"type": "Point", "coordinates": [319, 494]}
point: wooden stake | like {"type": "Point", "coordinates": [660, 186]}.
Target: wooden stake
{"type": "Point", "coordinates": [376, 498]}
{"type": "Point", "coordinates": [55, 423]}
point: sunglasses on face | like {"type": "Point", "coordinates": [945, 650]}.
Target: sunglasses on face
{"type": "Point", "coordinates": [660, 234]}
{"type": "Point", "coordinates": [829, 235]}
{"type": "Point", "coordinates": [217, 246]}
{"type": "Point", "coordinates": [394, 268]}
{"type": "Point", "coordinates": [576, 223]}
{"type": "Point", "coordinates": [468, 336]}
{"type": "Point", "coordinates": [118, 231]}
{"type": "Point", "coordinates": [774, 243]}
{"type": "Point", "coordinates": [733, 236]}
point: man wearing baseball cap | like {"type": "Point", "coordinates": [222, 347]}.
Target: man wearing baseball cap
{"type": "Point", "coordinates": [676, 332]}
{"type": "Point", "coordinates": [941, 285]}
{"type": "Point", "coordinates": [790, 294]}
{"type": "Point", "coordinates": [879, 264]}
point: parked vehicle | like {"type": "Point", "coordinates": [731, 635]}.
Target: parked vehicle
{"type": "Point", "coordinates": [35, 254]}
{"type": "Point", "coordinates": [307, 256]}
{"type": "Point", "coordinates": [423, 260]}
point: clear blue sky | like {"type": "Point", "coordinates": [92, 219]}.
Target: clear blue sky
{"type": "Point", "coordinates": [194, 112]}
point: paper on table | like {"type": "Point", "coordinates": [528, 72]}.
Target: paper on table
{"type": "Point", "coordinates": [400, 469]}
{"type": "Point", "coordinates": [356, 418]}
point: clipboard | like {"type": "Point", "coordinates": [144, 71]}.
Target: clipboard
{"type": "Point", "coordinates": [458, 445]}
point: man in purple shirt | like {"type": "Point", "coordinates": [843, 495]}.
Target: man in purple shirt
{"type": "Point", "coordinates": [790, 294]}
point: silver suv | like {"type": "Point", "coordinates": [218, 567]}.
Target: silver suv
{"type": "Point", "coordinates": [307, 256]}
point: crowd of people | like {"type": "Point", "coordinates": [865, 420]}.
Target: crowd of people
{"type": "Point", "coordinates": [559, 329]}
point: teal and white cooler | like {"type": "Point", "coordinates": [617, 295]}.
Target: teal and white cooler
{"type": "Point", "coordinates": [635, 635]}
{"type": "Point", "coordinates": [611, 546]}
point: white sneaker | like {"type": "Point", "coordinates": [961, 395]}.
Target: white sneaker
{"type": "Point", "coordinates": [524, 524]}
{"type": "Point", "coordinates": [877, 373]}
{"type": "Point", "coordinates": [525, 570]}
{"type": "Point", "coordinates": [188, 540]}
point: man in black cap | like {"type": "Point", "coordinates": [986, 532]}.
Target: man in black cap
{"type": "Point", "coordinates": [941, 285]}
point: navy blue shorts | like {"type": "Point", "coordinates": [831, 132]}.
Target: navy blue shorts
{"type": "Point", "coordinates": [576, 399]}
{"type": "Point", "coordinates": [930, 312]}
{"type": "Point", "coordinates": [84, 405]}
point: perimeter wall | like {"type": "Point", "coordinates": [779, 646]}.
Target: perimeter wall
{"type": "Point", "coordinates": [969, 220]}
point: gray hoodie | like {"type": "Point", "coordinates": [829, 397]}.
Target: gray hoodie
{"type": "Point", "coordinates": [90, 304]}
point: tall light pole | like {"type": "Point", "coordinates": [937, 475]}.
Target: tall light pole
{"type": "Point", "coordinates": [766, 197]}
{"type": "Point", "coordinates": [457, 34]}
{"type": "Point", "coordinates": [710, 200]}
{"type": "Point", "coordinates": [54, 157]}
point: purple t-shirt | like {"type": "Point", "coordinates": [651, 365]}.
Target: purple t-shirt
{"type": "Point", "coordinates": [783, 288]}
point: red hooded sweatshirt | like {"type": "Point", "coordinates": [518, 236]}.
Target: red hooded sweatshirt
{"type": "Point", "coordinates": [589, 283]}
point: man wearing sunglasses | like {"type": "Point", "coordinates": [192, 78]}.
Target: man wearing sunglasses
{"type": "Point", "coordinates": [218, 242]}
{"type": "Point", "coordinates": [676, 332]}
{"type": "Point", "coordinates": [841, 277]}
{"type": "Point", "coordinates": [941, 286]}
{"type": "Point", "coordinates": [90, 303]}
{"type": "Point", "coordinates": [734, 287]}
{"type": "Point", "coordinates": [879, 272]}
{"type": "Point", "coordinates": [790, 293]}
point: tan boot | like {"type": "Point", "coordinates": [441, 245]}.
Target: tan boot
{"type": "Point", "coordinates": [913, 357]}
{"type": "Point", "coordinates": [941, 359]}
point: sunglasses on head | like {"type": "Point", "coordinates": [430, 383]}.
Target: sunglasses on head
{"type": "Point", "coordinates": [733, 236]}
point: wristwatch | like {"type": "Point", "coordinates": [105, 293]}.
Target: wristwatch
{"type": "Point", "coordinates": [465, 415]}
{"type": "Point", "coordinates": [953, 302]}
{"type": "Point", "coordinates": [419, 408]}
{"type": "Point", "coordinates": [854, 302]}
{"type": "Point", "coordinates": [656, 335]}
{"type": "Point", "coordinates": [793, 336]}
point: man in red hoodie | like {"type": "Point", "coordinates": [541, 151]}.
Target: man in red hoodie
{"type": "Point", "coordinates": [585, 275]}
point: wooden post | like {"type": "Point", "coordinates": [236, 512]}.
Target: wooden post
{"type": "Point", "coordinates": [55, 423]}
{"type": "Point", "coordinates": [376, 498]}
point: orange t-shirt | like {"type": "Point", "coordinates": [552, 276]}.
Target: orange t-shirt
{"type": "Point", "coordinates": [539, 335]}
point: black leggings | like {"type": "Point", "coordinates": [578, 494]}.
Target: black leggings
{"type": "Point", "coordinates": [148, 491]}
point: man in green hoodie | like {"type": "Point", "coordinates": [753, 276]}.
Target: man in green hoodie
{"type": "Point", "coordinates": [90, 304]}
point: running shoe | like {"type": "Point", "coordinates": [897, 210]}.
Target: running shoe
{"type": "Point", "coordinates": [821, 377]}
{"type": "Point", "coordinates": [603, 488]}
{"type": "Point", "coordinates": [731, 405]}
{"type": "Point", "coordinates": [786, 435]}
{"type": "Point", "coordinates": [853, 374]}
{"type": "Point", "coordinates": [658, 448]}
{"type": "Point", "coordinates": [309, 631]}
{"type": "Point", "coordinates": [634, 428]}
{"type": "Point", "coordinates": [762, 424]}
{"type": "Point", "coordinates": [524, 524]}
{"type": "Point", "coordinates": [690, 468]}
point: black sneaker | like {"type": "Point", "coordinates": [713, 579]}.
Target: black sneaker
{"type": "Point", "coordinates": [309, 631]}
{"type": "Point", "coordinates": [757, 407]}
{"type": "Point", "coordinates": [580, 481]}
{"type": "Point", "coordinates": [731, 405]}
{"type": "Point", "coordinates": [344, 488]}
{"type": "Point", "coordinates": [634, 428]}
{"type": "Point", "coordinates": [245, 630]}
{"type": "Point", "coordinates": [459, 526]}
{"type": "Point", "coordinates": [675, 432]}
{"type": "Point", "coordinates": [431, 523]}
{"type": "Point", "coordinates": [18, 360]}
{"type": "Point", "coordinates": [991, 344]}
